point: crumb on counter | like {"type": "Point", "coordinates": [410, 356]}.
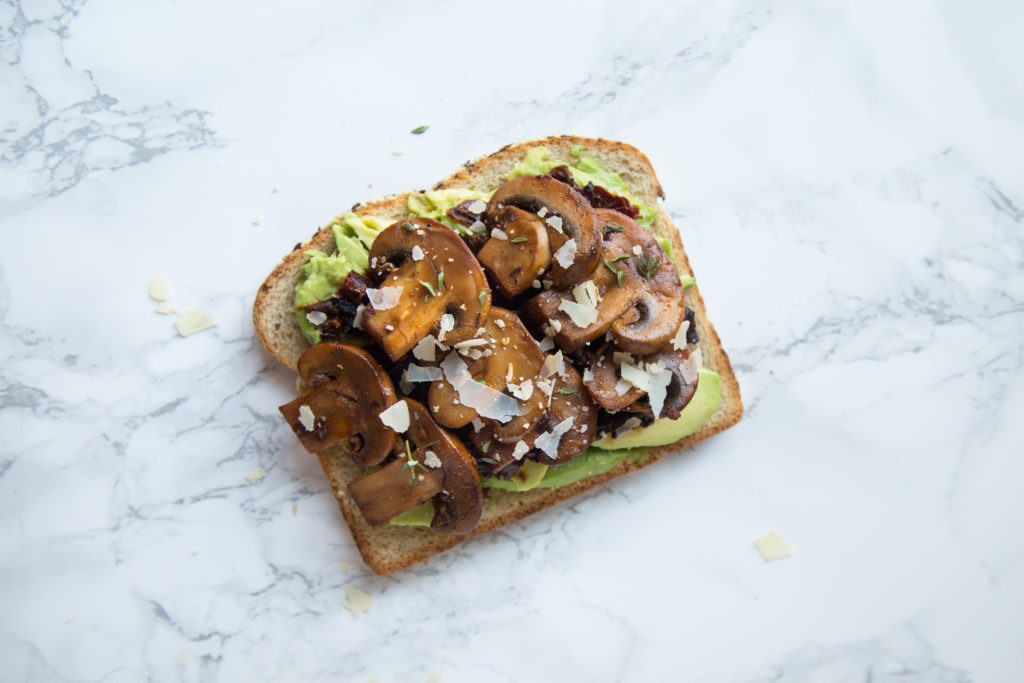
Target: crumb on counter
{"type": "Point", "coordinates": [774, 546]}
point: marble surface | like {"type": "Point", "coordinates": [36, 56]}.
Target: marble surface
{"type": "Point", "coordinates": [847, 181]}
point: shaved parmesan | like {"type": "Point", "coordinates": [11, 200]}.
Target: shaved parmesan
{"type": "Point", "coordinates": [774, 546]}
{"type": "Point", "coordinates": [477, 226]}
{"type": "Point", "coordinates": [659, 378]}
{"type": "Point", "coordinates": [358, 602]}
{"type": "Point", "coordinates": [522, 391]}
{"type": "Point", "coordinates": [165, 309]}
{"type": "Point", "coordinates": [581, 316]}
{"type": "Point", "coordinates": [638, 250]}
{"type": "Point", "coordinates": [586, 294]}
{"type": "Point", "coordinates": [469, 343]}
{"type": "Point", "coordinates": [306, 417]}
{"type": "Point", "coordinates": [556, 325]}
{"type": "Point", "coordinates": [566, 253]}
{"type": "Point", "coordinates": [486, 401]}
{"type": "Point", "coordinates": [622, 386]}
{"type": "Point", "coordinates": [555, 222]}
{"type": "Point", "coordinates": [588, 375]}
{"type": "Point", "coordinates": [479, 206]}
{"type": "Point", "coordinates": [546, 344]}
{"type": "Point", "coordinates": [417, 253]}
{"type": "Point", "coordinates": [543, 211]}
{"type": "Point", "coordinates": [160, 289]}
{"type": "Point", "coordinates": [418, 373]}
{"type": "Point", "coordinates": [520, 450]}
{"type": "Point", "coordinates": [194, 320]}
{"type": "Point", "coordinates": [447, 325]}
{"type": "Point", "coordinates": [679, 341]}
{"type": "Point", "coordinates": [424, 349]}
{"type": "Point", "coordinates": [499, 322]}
{"type": "Point", "coordinates": [635, 376]}
{"type": "Point", "coordinates": [499, 234]}
{"type": "Point", "coordinates": [316, 317]}
{"type": "Point", "coordinates": [384, 298]}
{"type": "Point", "coordinates": [396, 417]}
{"type": "Point", "coordinates": [508, 375]}
{"type": "Point", "coordinates": [478, 424]}
{"type": "Point", "coordinates": [688, 368]}
{"type": "Point", "coordinates": [622, 358]}
{"type": "Point", "coordinates": [430, 459]}
{"type": "Point", "coordinates": [548, 442]}
{"type": "Point", "coordinates": [546, 385]}
{"type": "Point", "coordinates": [554, 364]}
{"type": "Point", "coordinates": [357, 322]}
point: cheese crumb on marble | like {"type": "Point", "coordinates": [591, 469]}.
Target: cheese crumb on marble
{"type": "Point", "coordinates": [194, 320]}
{"type": "Point", "coordinates": [357, 602]}
{"type": "Point", "coordinates": [347, 566]}
{"type": "Point", "coordinates": [165, 309]}
{"type": "Point", "coordinates": [160, 289]}
{"type": "Point", "coordinates": [256, 475]}
{"type": "Point", "coordinates": [773, 546]}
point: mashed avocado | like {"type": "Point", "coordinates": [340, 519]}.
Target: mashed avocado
{"type": "Point", "coordinates": [587, 170]}
{"type": "Point", "coordinates": [435, 204]}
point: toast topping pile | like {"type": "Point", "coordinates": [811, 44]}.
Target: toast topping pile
{"type": "Point", "coordinates": [584, 334]}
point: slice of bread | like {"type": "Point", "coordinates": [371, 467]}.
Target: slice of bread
{"type": "Point", "coordinates": [386, 549]}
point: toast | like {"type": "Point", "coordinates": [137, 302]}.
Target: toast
{"type": "Point", "coordinates": [386, 548]}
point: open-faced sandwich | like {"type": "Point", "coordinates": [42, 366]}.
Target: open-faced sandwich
{"type": "Point", "coordinates": [525, 331]}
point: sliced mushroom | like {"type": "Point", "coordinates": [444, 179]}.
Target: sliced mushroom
{"type": "Point", "coordinates": [508, 354]}
{"type": "Point", "coordinates": [344, 391]}
{"type": "Point", "coordinates": [416, 290]}
{"type": "Point", "coordinates": [569, 399]}
{"type": "Point", "coordinates": [440, 468]}
{"type": "Point", "coordinates": [641, 298]}
{"type": "Point", "coordinates": [517, 255]}
{"type": "Point", "coordinates": [673, 391]}
{"type": "Point", "coordinates": [607, 387]}
{"type": "Point", "coordinates": [567, 215]}
{"type": "Point", "coordinates": [497, 456]}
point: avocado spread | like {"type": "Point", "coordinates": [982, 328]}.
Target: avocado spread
{"type": "Point", "coordinates": [324, 274]}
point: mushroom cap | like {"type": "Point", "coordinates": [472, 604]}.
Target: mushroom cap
{"type": "Point", "coordinates": [561, 204]}
{"type": "Point", "coordinates": [346, 390]}
{"type": "Point", "coordinates": [509, 345]}
{"type": "Point", "coordinates": [457, 508]}
{"type": "Point", "coordinates": [642, 312]}
{"type": "Point", "coordinates": [446, 279]}
{"type": "Point", "coordinates": [519, 258]}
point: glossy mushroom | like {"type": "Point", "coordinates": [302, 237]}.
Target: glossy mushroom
{"type": "Point", "coordinates": [508, 354]}
{"type": "Point", "coordinates": [424, 273]}
{"type": "Point", "coordinates": [344, 391]}
{"type": "Point", "coordinates": [519, 253]}
{"type": "Point", "coordinates": [612, 392]}
{"type": "Point", "coordinates": [567, 215]}
{"type": "Point", "coordinates": [641, 297]}
{"type": "Point", "coordinates": [440, 468]}
{"type": "Point", "coordinates": [569, 399]}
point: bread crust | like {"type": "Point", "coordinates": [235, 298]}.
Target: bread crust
{"type": "Point", "coordinates": [387, 549]}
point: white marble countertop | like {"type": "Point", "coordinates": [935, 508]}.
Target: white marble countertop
{"type": "Point", "coordinates": [847, 181]}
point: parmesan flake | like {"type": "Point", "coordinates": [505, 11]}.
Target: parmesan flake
{"type": "Point", "coordinates": [396, 417]}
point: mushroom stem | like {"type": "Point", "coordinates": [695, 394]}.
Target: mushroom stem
{"type": "Point", "coordinates": [395, 488]}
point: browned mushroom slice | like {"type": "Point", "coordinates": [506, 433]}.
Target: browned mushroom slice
{"type": "Point", "coordinates": [496, 455]}
{"type": "Point", "coordinates": [509, 360]}
{"type": "Point", "coordinates": [345, 391]}
{"type": "Point", "coordinates": [519, 253]}
{"type": "Point", "coordinates": [570, 425]}
{"type": "Point", "coordinates": [641, 298]}
{"type": "Point", "coordinates": [429, 282]}
{"type": "Point", "coordinates": [568, 217]}
{"type": "Point", "coordinates": [440, 468]}
{"type": "Point", "coordinates": [607, 387]}
{"type": "Point", "coordinates": [674, 394]}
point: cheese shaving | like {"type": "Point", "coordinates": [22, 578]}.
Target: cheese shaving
{"type": "Point", "coordinates": [566, 253]}
{"type": "Point", "coordinates": [588, 375]}
{"type": "Point", "coordinates": [357, 322]}
{"type": "Point", "coordinates": [581, 316]}
{"type": "Point", "coordinates": [447, 325]}
{"type": "Point", "coordinates": [417, 253]}
{"type": "Point", "coordinates": [430, 459]}
{"type": "Point", "coordinates": [622, 386]}
{"type": "Point", "coordinates": [543, 211]}
{"type": "Point", "coordinates": [546, 344]}
{"type": "Point", "coordinates": [688, 368]}
{"type": "Point", "coordinates": [586, 294]}
{"type": "Point", "coordinates": [499, 234]}
{"type": "Point", "coordinates": [316, 317]}
{"type": "Point", "coordinates": [194, 320]}
{"type": "Point", "coordinates": [638, 250]}
{"type": "Point", "coordinates": [773, 546]}
{"type": "Point", "coordinates": [424, 349]}
{"type": "Point", "coordinates": [418, 373]}
{"type": "Point", "coordinates": [306, 417]}
{"type": "Point", "coordinates": [627, 426]}
{"type": "Point", "coordinates": [160, 289]}
{"type": "Point", "coordinates": [635, 376]}
{"type": "Point", "coordinates": [477, 226]}
{"type": "Point", "coordinates": [357, 602]}
{"type": "Point", "coordinates": [555, 222]}
{"type": "Point", "coordinates": [479, 206]}
{"type": "Point", "coordinates": [520, 450]}
{"type": "Point", "coordinates": [554, 364]}
{"type": "Point", "coordinates": [396, 417]}
{"type": "Point", "coordinates": [679, 341]}
{"type": "Point", "coordinates": [548, 442]}
{"type": "Point", "coordinates": [659, 379]}
{"type": "Point", "coordinates": [384, 298]}
{"type": "Point", "coordinates": [486, 401]}
{"type": "Point", "coordinates": [522, 391]}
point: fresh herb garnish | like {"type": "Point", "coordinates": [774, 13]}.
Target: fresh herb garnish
{"type": "Point", "coordinates": [648, 266]}
{"type": "Point", "coordinates": [487, 444]}
{"type": "Point", "coordinates": [616, 271]}
{"type": "Point", "coordinates": [620, 257]}
{"type": "Point", "coordinates": [430, 288]}
{"type": "Point", "coordinates": [613, 227]}
{"type": "Point", "coordinates": [440, 281]}
{"type": "Point", "coordinates": [518, 240]}
{"type": "Point", "coordinates": [489, 461]}
{"type": "Point", "coordinates": [566, 391]}
{"type": "Point", "coordinates": [482, 295]}
{"type": "Point", "coordinates": [411, 464]}
{"type": "Point", "coordinates": [419, 130]}
{"type": "Point", "coordinates": [408, 226]}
